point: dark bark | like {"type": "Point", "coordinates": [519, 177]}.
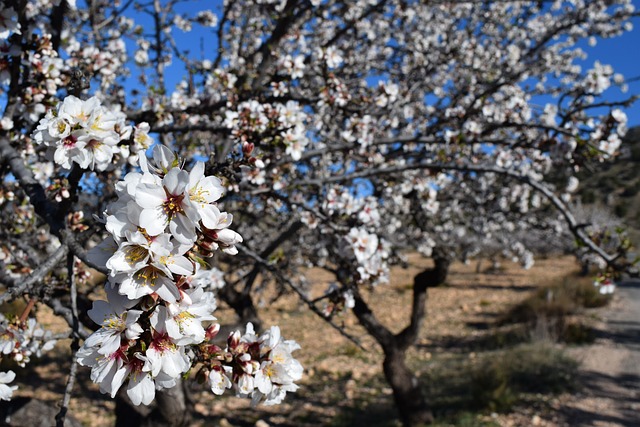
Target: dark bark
{"type": "Point", "coordinates": [241, 301]}
{"type": "Point", "coordinates": [242, 304]}
{"type": "Point", "coordinates": [57, 22]}
{"type": "Point", "coordinates": [171, 410]}
{"type": "Point", "coordinates": [412, 404]}
{"type": "Point", "coordinates": [408, 396]}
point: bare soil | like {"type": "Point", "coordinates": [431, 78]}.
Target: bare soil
{"type": "Point", "coordinates": [611, 366]}
{"type": "Point", "coordinates": [343, 383]}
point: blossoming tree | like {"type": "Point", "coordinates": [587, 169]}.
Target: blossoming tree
{"type": "Point", "coordinates": [337, 134]}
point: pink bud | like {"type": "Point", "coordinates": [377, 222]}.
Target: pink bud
{"type": "Point", "coordinates": [247, 148]}
{"type": "Point", "coordinates": [212, 331]}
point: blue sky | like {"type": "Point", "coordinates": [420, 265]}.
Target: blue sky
{"type": "Point", "coordinates": [623, 54]}
{"type": "Point", "coordinates": [620, 52]}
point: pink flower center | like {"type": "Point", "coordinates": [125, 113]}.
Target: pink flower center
{"type": "Point", "coordinates": [69, 142]}
{"type": "Point", "coordinates": [173, 205]}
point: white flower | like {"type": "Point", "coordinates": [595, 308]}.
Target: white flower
{"type": "Point", "coordinates": [141, 388]}
{"type": "Point", "coordinates": [202, 192]}
{"type": "Point", "coordinates": [114, 324]}
{"type": "Point", "coordinates": [163, 354]}
{"type": "Point", "coordinates": [219, 379]}
{"type": "Point", "coordinates": [135, 252]}
{"type": "Point", "coordinates": [167, 204]}
{"type": "Point", "coordinates": [245, 384]}
{"type": "Point", "coordinates": [210, 279]}
{"type": "Point", "coordinates": [294, 66]}
{"type": "Point", "coordinates": [141, 137]}
{"type": "Point", "coordinates": [572, 184]}
{"type": "Point", "coordinates": [333, 57]}
{"type": "Point", "coordinates": [183, 320]}
{"type": "Point", "coordinates": [6, 123]}
{"type": "Point", "coordinates": [6, 391]}
{"type": "Point", "coordinates": [163, 160]}
{"type": "Point", "coordinates": [148, 280]}
{"type": "Point", "coordinates": [107, 370]}
{"type": "Point", "coordinates": [141, 57]}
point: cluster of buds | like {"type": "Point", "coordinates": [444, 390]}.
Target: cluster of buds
{"type": "Point", "coordinates": [338, 300]}
{"type": "Point", "coordinates": [58, 190]}
{"type": "Point", "coordinates": [604, 284]}
{"type": "Point", "coordinates": [76, 221]}
{"type": "Point", "coordinates": [260, 367]}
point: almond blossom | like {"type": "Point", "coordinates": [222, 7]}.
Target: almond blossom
{"type": "Point", "coordinates": [6, 391]}
{"type": "Point", "coordinates": [82, 132]}
{"type": "Point", "coordinates": [154, 322]}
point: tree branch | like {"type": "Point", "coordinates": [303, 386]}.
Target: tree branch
{"type": "Point", "coordinates": [298, 291]}
{"type": "Point", "coordinates": [15, 289]}
{"type": "Point", "coordinates": [428, 278]}
{"type": "Point", "coordinates": [365, 316]}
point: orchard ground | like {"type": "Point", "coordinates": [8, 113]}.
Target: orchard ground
{"type": "Point", "coordinates": [479, 368]}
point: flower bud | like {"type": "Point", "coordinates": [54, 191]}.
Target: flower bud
{"type": "Point", "coordinates": [212, 331]}
{"type": "Point", "coordinates": [247, 148]}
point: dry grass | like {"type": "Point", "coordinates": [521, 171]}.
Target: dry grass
{"type": "Point", "coordinates": [342, 384]}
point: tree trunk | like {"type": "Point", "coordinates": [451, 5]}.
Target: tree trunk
{"type": "Point", "coordinates": [410, 401]}
{"type": "Point", "coordinates": [242, 304]}
{"type": "Point", "coordinates": [171, 410]}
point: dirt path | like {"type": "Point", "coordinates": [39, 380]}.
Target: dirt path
{"type": "Point", "coordinates": [611, 367]}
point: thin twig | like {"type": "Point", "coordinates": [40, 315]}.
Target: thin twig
{"type": "Point", "coordinates": [65, 312]}
{"type": "Point", "coordinates": [75, 344]}
{"type": "Point", "coordinates": [77, 249]}
{"type": "Point", "coordinates": [269, 266]}
{"type": "Point", "coordinates": [15, 289]}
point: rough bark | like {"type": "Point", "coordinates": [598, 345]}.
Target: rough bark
{"type": "Point", "coordinates": [242, 304]}
{"type": "Point", "coordinates": [412, 404]}
{"type": "Point", "coordinates": [171, 410]}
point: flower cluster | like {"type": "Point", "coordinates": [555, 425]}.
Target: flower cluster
{"type": "Point", "coordinates": [605, 285]}
{"type": "Point", "coordinates": [106, 62]}
{"type": "Point", "coordinates": [82, 132]}
{"type": "Point", "coordinates": [279, 123]}
{"type": "Point", "coordinates": [340, 201]}
{"type": "Point", "coordinates": [19, 340]}
{"type": "Point", "coordinates": [260, 366]}
{"type": "Point", "coordinates": [370, 254]}
{"type": "Point", "coordinates": [164, 221]}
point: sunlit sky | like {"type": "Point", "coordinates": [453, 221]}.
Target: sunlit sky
{"type": "Point", "coordinates": [623, 53]}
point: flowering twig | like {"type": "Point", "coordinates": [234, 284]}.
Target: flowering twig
{"type": "Point", "coordinates": [269, 266]}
